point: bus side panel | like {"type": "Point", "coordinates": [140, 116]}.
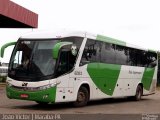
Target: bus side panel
{"type": "Point", "coordinates": [149, 80]}
{"type": "Point", "coordinates": [115, 80]}
{"type": "Point", "coordinates": [108, 80]}
{"type": "Point", "coordinates": [129, 78]}
{"type": "Point", "coordinates": [64, 93]}
{"type": "Point", "coordinates": [80, 76]}
{"type": "Point", "coordinates": [104, 76]}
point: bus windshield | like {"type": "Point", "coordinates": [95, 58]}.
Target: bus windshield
{"type": "Point", "coordinates": [32, 60]}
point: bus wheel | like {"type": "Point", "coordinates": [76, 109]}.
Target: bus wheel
{"type": "Point", "coordinates": [82, 97]}
{"type": "Point", "coordinates": [139, 93]}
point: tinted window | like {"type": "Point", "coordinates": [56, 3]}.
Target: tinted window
{"type": "Point", "coordinates": [151, 59]}
{"type": "Point", "coordinates": [97, 51]}
{"type": "Point", "coordinates": [122, 54]}
{"type": "Point", "coordinates": [91, 52]}
{"type": "Point", "coordinates": [76, 40]}
{"type": "Point", "coordinates": [66, 62]}
{"type": "Point", "coordinates": [143, 61]}
{"type": "Point", "coordinates": [142, 58]}
{"type": "Point", "coordinates": [108, 53]}
{"type": "Point", "coordinates": [132, 59]}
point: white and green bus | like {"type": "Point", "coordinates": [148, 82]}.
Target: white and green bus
{"type": "Point", "coordinates": [78, 67]}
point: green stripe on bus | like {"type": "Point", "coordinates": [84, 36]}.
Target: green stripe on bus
{"type": "Point", "coordinates": [110, 40]}
{"type": "Point", "coordinates": [57, 47]}
{"type": "Point", "coordinates": [104, 76]}
{"type": "Point", "coordinates": [147, 77]}
{"type": "Point", "coordinates": [33, 95]}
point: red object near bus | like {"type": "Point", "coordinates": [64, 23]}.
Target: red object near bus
{"type": "Point", "coordinates": [13, 15]}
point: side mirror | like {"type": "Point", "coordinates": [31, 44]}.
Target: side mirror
{"type": "Point", "coordinates": [57, 47]}
{"type": "Point", "coordinates": [4, 47]}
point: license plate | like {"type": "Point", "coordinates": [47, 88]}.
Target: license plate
{"type": "Point", "coordinates": [24, 95]}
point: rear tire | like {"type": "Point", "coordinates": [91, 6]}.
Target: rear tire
{"type": "Point", "coordinates": [82, 97]}
{"type": "Point", "coordinates": [139, 93]}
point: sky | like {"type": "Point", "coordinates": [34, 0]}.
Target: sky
{"type": "Point", "coordinates": [133, 21]}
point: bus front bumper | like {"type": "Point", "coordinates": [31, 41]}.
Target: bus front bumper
{"type": "Point", "coordinates": [47, 95]}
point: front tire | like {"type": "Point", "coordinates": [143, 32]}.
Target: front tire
{"type": "Point", "coordinates": [139, 93]}
{"type": "Point", "coordinates": [82, 97]}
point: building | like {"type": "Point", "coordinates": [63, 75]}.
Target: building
{"type": "Point", "coordinates": [13, 15]}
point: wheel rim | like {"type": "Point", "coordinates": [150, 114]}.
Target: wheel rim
{"type": "Point", "coordinates": [139, 94]}
{"type": "Point", "coordinates": [81, 97]}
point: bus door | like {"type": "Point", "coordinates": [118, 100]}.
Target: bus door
{"type": "Point", "coordinates": [65, 64]}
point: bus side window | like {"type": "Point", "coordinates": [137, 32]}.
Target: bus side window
{"type": "Point", "coordinates": [91, 52]}
{"type": "Point", "coordinates": [63, 63]}
{"type": "Point", "coordinates": [108, 53]}
{"type": "Point", "coordinates": [132, 60]}
{"type": "Point", "coordinates": [151, 59]}
{"type": "Point", "coordinates": [66, 62]}
{"type": "Point", "coordinates": [18, 59]}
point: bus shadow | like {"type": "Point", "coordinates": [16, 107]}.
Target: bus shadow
{"type": "Point", "coordinates": [63, 106]}
{"type": "Point", "coordinates": [114, 101]}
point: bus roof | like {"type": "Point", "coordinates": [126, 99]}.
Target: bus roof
{"type": "Point", "coordinates": [62, 34]}
{"type": "Point", "coordinates": [51, 35]}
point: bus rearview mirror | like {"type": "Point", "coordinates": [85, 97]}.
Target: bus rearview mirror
{"type": "Point", "coordinates": [4, 47]}
{"type": "Point", "coordinates": [57, 47]}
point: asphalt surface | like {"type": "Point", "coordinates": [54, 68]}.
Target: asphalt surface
{"type": "Point", "coordinates": [149, 105]}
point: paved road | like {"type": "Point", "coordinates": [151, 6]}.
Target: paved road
{"type": "Point", "coordinates": [148, 105]}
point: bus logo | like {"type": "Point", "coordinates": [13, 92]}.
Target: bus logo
{"type": "Point", "coordinates": [24, 84]}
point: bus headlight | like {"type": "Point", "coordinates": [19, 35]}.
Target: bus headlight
{"type": "Point", "coordinates": [47, 86]}
{"type": "Point", "coordinates": [44, 87]}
